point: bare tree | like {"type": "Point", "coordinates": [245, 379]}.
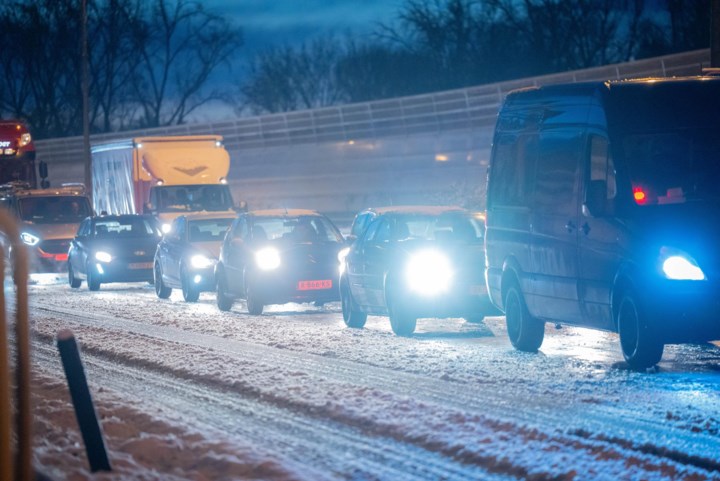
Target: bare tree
{"type": "Point", "coordinates": [287, 78]}
{"type": "Point", "coordinates": [181, 45]}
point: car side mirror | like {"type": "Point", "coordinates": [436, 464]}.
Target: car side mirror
{"type": "Point", "coordinates": [596, 204]}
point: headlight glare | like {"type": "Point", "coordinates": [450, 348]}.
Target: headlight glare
{"type": "Point", "coordinates": [341, 258]}
{"type": "Point", "coordinates": [165, 228]}
{"type": "Point", "coordinates": [200, 261]}
{"type": "Point", "coordinates": [103, 256]}
{"type": "Point", "coordinates": [267, 259]}
{"type": "Point", "coordinates": [29, 239]}
{"type": "Point", "coordinates": [429, 272]}
{"type": "Point", "coordinates": [681, 267]}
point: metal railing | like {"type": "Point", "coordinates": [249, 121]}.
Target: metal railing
{"type": "Point", "coordinates": [473, 108]}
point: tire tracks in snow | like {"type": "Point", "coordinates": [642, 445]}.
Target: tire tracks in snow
{"type": "Point", "coordinates": [606, 431]}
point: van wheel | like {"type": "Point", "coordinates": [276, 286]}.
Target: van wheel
{"type": "Point", "coordinates": [525, 332]}
{"type": "Point", "coordinates": [640, 347]}
{"type": "Point", "coordinates": [223, 298]}
{"type": "Point", "coordinates": [161, 290]}
{"type": "Point", "coordinates": [353, 318]}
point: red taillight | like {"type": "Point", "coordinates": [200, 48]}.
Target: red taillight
{"type": "Point", "coordinates": [639, 195]}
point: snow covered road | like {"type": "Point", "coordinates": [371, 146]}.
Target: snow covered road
{"type": "Point", "coordinates": [321, 401]}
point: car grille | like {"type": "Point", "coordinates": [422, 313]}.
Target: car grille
{"type": "Point", "coordinates": [55, 246]}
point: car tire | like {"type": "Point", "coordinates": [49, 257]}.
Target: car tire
{"type": "Point", "coordinates": [72, 280]}
{"type": "Point", "coordinates": [190, 292]}
{"type": "Point", "coordinates": [526, 333]}
{"type": "Point", "coordinates": [254, 304]}
{"type": "Point", "coordinates": [640, 347]}
{"type": "Point", "coordinates": [401, 322]}
{"type": "Point", "coordinates": [223, 298]}
{"type": "Point", "coordinates": [162, 291]}
{"type": "Point", "coordinates": [93, 282]}
{"type": "Point", "coordinates": [352, 317]}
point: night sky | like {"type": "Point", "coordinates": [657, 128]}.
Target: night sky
{"type": "Point", "coordinates": [268, 23]}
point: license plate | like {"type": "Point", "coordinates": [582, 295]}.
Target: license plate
{"type": "Point", "coordinates": [140, 265]}
{"type": "Point", "coordinates": [313, 285]}
{"type": "Point", "coordinates": [477, 290]}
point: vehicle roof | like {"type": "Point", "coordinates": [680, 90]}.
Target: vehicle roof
{"type": "Point", "coordinates": [282, 212]}
{"type": "Point", "coordinates": [610, 85]}
{"type": "Point", "coordinates": [208, 215]}
{"type": "Point", "coordinates": [416, 209]}
{"type": "Point", "coordinates": [62, 191]}
{"type": "Point", "coordinates": [16, 124]}
{"type": "Point", "coordinates": [121, 216]}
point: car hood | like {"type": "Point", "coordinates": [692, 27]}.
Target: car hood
{"type": "Point", "coordinates": [50, 231]}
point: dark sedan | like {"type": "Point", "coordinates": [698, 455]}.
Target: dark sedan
{"type": "Point", "coordinates": [416, 261]}
{"type": "Point", "coordinates": [113, 248]}
{"type": "Point", "coordinates": [187, 255]}
{"type": "Point", "coordinates": [279, 256]}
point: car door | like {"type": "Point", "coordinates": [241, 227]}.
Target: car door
{"type": "Point", "coordinates": [599, 250]}
{"type": "Point", "coordinates": [234, 256]}
{"type": "Point", "coordinates": [76, 254]}
{"type": "Point", "coordinates": [355, 265]}
{"type": "Point", "coordinates": [375, 264]}
{"type": "Point", "coordinates": [173, 256]}
{"type": "Point", "coordinates": [555, 225]}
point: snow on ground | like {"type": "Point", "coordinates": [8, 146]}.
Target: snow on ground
{"type": "Point", "coordinates": [455, 388]}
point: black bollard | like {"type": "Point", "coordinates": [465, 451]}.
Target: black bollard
{"type": "Point", "coordinates": [82, 402]}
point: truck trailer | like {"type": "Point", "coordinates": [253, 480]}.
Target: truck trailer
{"type": "Point", "coordinates": [163, 176]}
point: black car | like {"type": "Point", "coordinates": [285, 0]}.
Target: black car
{"type": "Point", "coordinates": [113, 248]}
{"type": "Point", "coordinates": [279, 256]}
{"type": "Point", "coordinates": [416, 261]}
{"type": "Point", "coordinates": [186, 256]}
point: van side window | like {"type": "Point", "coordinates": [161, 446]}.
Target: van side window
{"type": "Point", "coordinates": [557, 167]}
{"type": "Point", "coordinates": [601, 164]}
{"type": "Point", "coordinates": [513, 169]}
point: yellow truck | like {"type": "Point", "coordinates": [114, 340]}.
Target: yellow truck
{"type": "Point", "coordinates": [164, 176]}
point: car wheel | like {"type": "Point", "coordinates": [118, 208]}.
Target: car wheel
{"type": "Point", "coordinates": [93, 282]}
{"type": "Point", "coordinates": [223, 298]}
{"type": "Point", "coordinates": [401, 322]}
{"type": "Point", "coordinates": [640, 347]}
{"type": "Point", "coordinates": [72, 280]}
{"type": "Point", "coordinates": [352, 317]}
{"type": "Point", "coordinates": [190, 291]}
{"type": "Point", "coordinates": [162, 291]}
{"type": "Point", "coordinates": [475, 318]}
{"type": "Point", "coordinates": [254, 304]}
{"type": "Point", "coordinates": [525, 332]}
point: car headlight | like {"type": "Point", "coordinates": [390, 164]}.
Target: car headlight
{"type": "Point", "coordinates": [429, 272]}
{"type": "Point", "coordinates": [29, 239]}
{"type": "Point", "coordinates": [25, 139]}
{"type": "Point", "coordinates": [165, 228]}
{"type": "Point", "coordinates": [267, 259]}
{"type": "Point", "coordinates": [200, 261]}
{"type": "Point", "coordinates": [103, 256]}
{"type": "Point", "coordinates": [341, 258]}
{"type": "Point", "coordinates": [682, 267]}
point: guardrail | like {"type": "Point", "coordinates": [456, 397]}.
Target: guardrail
{"type": "Point", "coordinates": [462, 109]}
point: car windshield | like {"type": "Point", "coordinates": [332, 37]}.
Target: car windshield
{"type": "Point", "coordinates": [124, 227]}
{"type": "Point", "coordinates": [185, 198]}
{"type": "Point", "coordinates": [673, 167]}
{"type": "Point", "coordinates": [54, 209]}
{"type": "Point", "coordinates": [297, 230]}
{"type": "Point", "coordinates": [208, 230]}
{"type": "Point", "coordinates": [446, 227]}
